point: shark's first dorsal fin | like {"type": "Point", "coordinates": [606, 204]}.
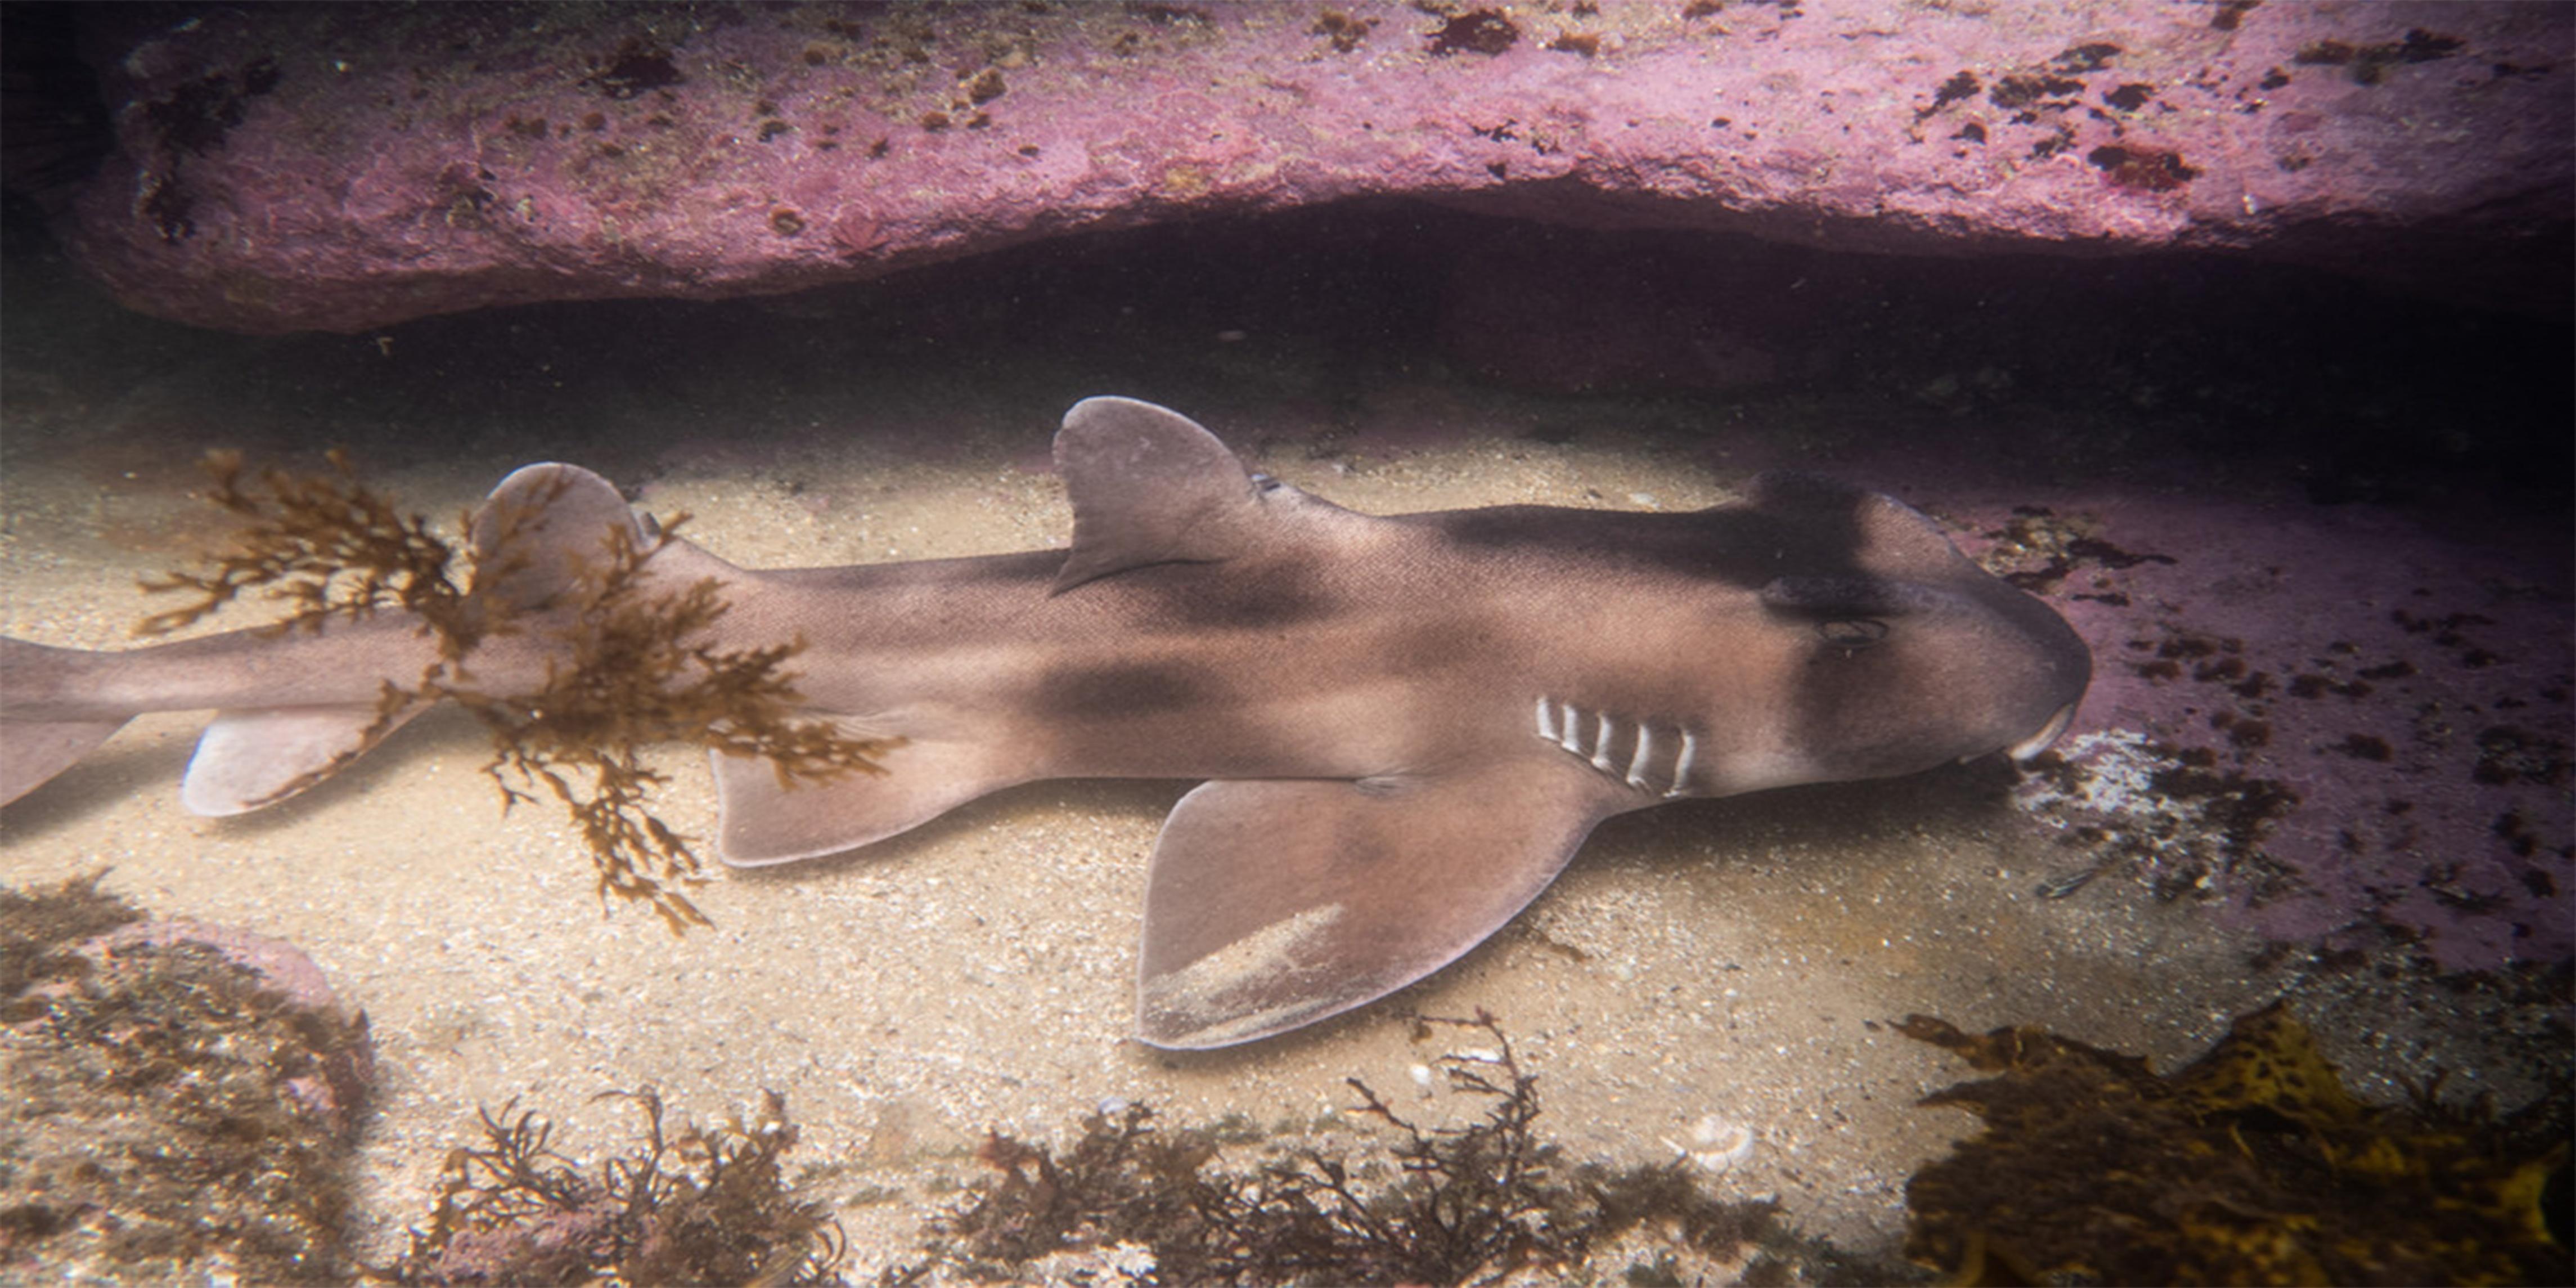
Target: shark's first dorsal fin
{"type": "Point", "coordinates": [1149, 486]}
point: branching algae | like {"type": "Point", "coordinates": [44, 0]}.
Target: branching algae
{"type": "Point", "coordinates": [1484, 1201]}
{"type": "Point", "coordinates": [687, 1206]}
{"type": "Point", "coordinates": [1129, 1201]}
{"type": "Point", "coordinates": [634, 669]}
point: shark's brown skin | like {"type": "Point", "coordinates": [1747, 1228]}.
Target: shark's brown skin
{"type": "Point", "coordinates": [1409, 724]}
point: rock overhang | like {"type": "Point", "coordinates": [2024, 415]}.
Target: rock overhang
{"type": "Point", "coordinates": [347, 167]}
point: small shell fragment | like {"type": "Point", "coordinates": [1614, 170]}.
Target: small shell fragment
{"type": "Point", "coordinates": [1717, 1144]}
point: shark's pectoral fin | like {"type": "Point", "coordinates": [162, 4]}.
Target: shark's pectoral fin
{"type": "Point", "coordinates": [1275, 903]}
{"type": "Point", "coordinates": [248, 759]}
{"type": "Point", "coordinates": [765, 822]}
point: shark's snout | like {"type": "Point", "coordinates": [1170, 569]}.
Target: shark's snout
{"type": "Point", "coordinates": [1953, 665]}
{"type": "Point", "coordinates": [2061, 666]}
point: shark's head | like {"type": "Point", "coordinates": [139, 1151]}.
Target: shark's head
{"type": "Point", "coordinates": [1906, 654]}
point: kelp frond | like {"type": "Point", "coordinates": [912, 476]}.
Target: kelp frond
{"type": "Point", "coordinates": [2252, 1164]}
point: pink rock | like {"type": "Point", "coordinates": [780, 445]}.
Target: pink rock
{"type": "Point", "coordinates": [2404, 691]}
{"type": "Point", "coordinates": [554, 1246]}
{"type": "Point", "coordinates": [282, 967]}
{"type": "Point", "coordinates": [346, 167]}
{"type": "Point", "coordinates": [335, 1087]}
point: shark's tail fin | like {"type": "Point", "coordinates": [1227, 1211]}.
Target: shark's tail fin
{"type": "Point", "coordinates": [542, 529]}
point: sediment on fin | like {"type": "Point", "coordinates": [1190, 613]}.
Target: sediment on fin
{"type": "Point", "coordinates": [1189, 1007]}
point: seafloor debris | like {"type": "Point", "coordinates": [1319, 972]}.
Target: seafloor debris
{"type": "Point", "coordinates": [2173, 813]}
{"type": "Point", "coordinates": [695, 1206]}
{"type": "Point", "coordinates": [1717, 1144]}
{"type": "Point", "coordinates": [182, 1099]}
{"type": "Point", "coordinates": [1436, 1205]}
{"type": "Point", "coordinates": [636, 666]}
{"type": "Point", "coordinates": [2251, 1165]}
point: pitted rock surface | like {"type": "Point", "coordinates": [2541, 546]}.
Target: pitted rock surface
{"type": "Point", "coordinates": [347, 167]}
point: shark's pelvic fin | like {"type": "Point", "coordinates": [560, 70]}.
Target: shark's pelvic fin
{"type": "Point", "coordinates": [765, 822]}
{"type": "Point", "coordinates": [1149, 486]}
{"type": "Point", "coordinates": [1275, 903]}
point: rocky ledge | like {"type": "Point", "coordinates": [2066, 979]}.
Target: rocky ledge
{"type": "Point", "coordinates": [346, 167]}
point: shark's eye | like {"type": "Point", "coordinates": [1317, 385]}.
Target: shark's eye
{"type": "Point", "coordinates": [1851, 632]}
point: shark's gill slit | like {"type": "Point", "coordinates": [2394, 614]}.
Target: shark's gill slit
{"type": "Point", "coordinates": [1562, 724]}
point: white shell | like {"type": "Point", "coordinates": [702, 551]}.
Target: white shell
{"type": "Point", "coordinates": [1717, 1144]}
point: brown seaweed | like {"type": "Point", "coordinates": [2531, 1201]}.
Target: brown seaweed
{"type": "Point", "coordinates": [2252, 1164]}
{"type": "Point", "coordinates": [323, 545]}
{"type": "Point", "coordinates": [637, 668]}
{"type": "Point", "coordinates": [689, 1205]}
{"type": "Point", "coordinates": [1459, 1204]}
{"type": "Point", "coordinates": [636, 672]}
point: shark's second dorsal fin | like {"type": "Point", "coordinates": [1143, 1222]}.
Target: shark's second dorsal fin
{"type": "Point", "coordinates": [1149, 486]}
{"type": "Point", "coordinates": [545, 528]}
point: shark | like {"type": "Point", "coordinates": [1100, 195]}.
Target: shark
{"type": "Point", "coordinates": [1403, 727]}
